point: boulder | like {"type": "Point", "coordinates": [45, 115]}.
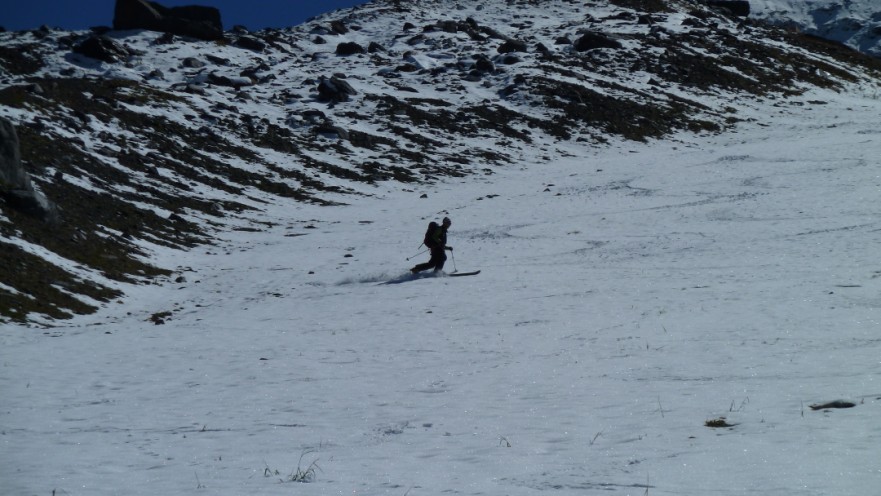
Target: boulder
{"type": "Point", "coordinates": [331, 131]}
{"type": "Point", "coordinates": [234, 82]}
{"type": "Point", "coordinates": [451, 27]}
{"type": "Point", "coordinates": [334, 90]}
{"type": "Point", "coordinates": [591, 41]}
{"type": "Point", "coordinates": [483, 64]}
{"type": "Point", "coordinates": [510, 59]}
{"type": "Point", "coordinates": [251, 43]}
{"type": "Point", "coordinates": [338, 27]}
{"type": "Point", "coordinates": [214, 59]}
{"type": "Point", "coordinates": [16, 188]}
{"type": "Point", "coordinates": [195, 21]}
{"type": "Point", "coordinates": [192, 63]}
{"type": "Point", "coordinates": [349, 48]}
{"type": "Point", "coordinates": [103, 48]}
{"type": "Point", "coordinates": [165, 39]}
{"type": "Point", "coordinates": [512, 46]}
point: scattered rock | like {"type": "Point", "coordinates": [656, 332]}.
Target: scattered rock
{"type": "Point", "coordinates": [234, 82]}
{"type": "Point", "coordinates": [338, 27]}
{"type": "Point", "coordinates": [512, 46]}
{"type": "Point", "coordinates": [314, 116]}
{"type": "Point", "coordinates": [251, 43]}
{"type": "Point", "coordinates": [349, 48]}
{"type": "Point", "coordinates": [159, 318]}
{"type": "Point", "coordinates": [591, 41]}
{"type": "Point", "coordinates": [103, 48]}
{"type": "Point", "coordinates": [165, 39]}
{"type": "Point", "coordinates": [833, 404]}
{"type": "Point", "coordinates": [511, 59]}
{"type": "Point", "coordinates": [335, 90]}
{"type": "Point", "coordinates": [451, 27]}
{"type": "Point", "coordinates": [718, 423]}
{"type": "Point", "coordinates": [484, 64]}
{"type": "Point", "coordinates": [214, 59]}
{"type": "Point", "coordinates": [332, 132]}
{"type": "Point", "coordinates": [192, 63]}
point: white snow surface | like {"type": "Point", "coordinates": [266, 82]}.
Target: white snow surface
{"type": "Point", "coordinates": [627, 296]}
{"type": "Point", "coordinates": [856, 23]}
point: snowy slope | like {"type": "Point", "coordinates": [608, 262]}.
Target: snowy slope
{"type": "Point", "coordinates": [177, 139]}
{"type": "Point", "coordinates": [628, 296]}
{"type": "Point", "coordinates": [856, 23]}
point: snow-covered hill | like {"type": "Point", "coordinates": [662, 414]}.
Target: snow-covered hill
{"type": "Point", "coordinates": [166, 140]}
{"type": "Point", "coordinates": [677, 237]}
{"type": "Point", "coordinates": [856, 23]}
{"type": "Point", "coordinates": [651, 318]}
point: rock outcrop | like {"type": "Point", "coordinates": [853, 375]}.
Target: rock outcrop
{"type": "Point", "coordinates": [103, 48]}
{"type": "Point", "coordinates": [16, 188]}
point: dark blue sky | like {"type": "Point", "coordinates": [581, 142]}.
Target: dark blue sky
{"type": "Point", "coordinates": [17, 15]}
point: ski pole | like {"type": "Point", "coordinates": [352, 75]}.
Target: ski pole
{"type": "Point", "coordinates": [416, 255]}
{"type": "Point", "coordinates": [454, 261]}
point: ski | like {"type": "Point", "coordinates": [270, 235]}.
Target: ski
{"type": "Point", "coordinates": [459, 274]}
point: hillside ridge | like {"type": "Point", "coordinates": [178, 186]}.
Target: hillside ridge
{"type": "Point", "coordinates": [158, 142]}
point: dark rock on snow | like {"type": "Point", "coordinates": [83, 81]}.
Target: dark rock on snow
{"type": "Point", "coordinates": [833, 404]}
{"type": "Point", "coordinates": [251, 43]}
{"type": "Point", "coordinates": [349, 48]}
{"type": "Point", "coordinates": [337, 27]}
{"type": "Point", "coordinates": [103, 48]}
{"type": "Point", "coordinates": [512, 46]}
{"type": "Point", "coordinates": [591, 41]}
{"type": "Point", "coordinates": [334, 90]}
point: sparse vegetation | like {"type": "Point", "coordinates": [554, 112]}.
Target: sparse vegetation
{"type": "Point", "coordinates": [300, 473]}
{"type": "Point", "coordinates": [21, 60]}
{"type": "Point", "coordinates": [137, 163]}
{"type": "Point", "coordinates": [159, 318]}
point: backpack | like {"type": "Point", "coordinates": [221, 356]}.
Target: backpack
{"type": "Point", "coordinates": [429, 234]}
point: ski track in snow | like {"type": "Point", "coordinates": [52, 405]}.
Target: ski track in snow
{"type": "Point", "coordinates": [627, 296]}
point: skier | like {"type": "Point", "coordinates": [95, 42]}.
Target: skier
{"type": "Point", "coordinates": [436, 241]}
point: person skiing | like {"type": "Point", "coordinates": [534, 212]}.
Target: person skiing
{"type": "Point", "coordinates": [436, 241]}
